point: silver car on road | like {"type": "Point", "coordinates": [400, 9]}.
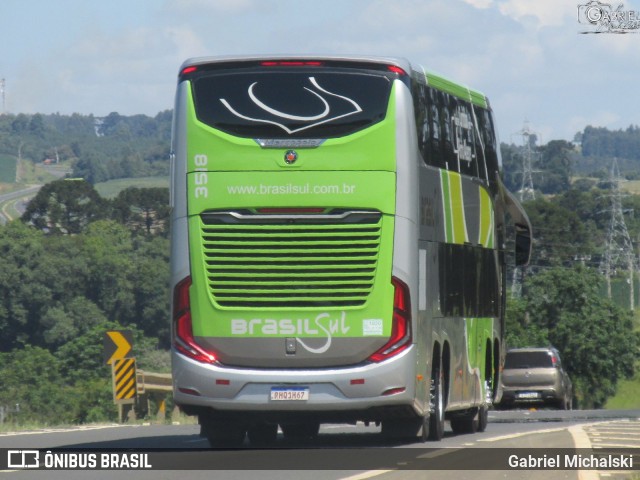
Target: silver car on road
{"type": "Point", "coordinates": [535, 376]}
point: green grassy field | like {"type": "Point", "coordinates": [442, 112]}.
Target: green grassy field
{"type": "Point", "coordinates": [631, 186]}
{"type": "Point", "coordinates": [111, 188]}
{"type": "Point", "coordinates": [628, 395]}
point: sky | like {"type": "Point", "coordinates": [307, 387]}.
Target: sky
{"type": "Point", "coordinates": [528, 56]}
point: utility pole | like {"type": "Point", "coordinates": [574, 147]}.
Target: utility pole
{"type": "Point", "coordinates": [619, 252]}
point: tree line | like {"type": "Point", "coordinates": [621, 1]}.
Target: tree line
{"type": "Point", "coordinates": [99, 149]}
{"type": "Point", "coordinates": [589, 155]}
{"type": "Point", "coordinates": [602, 142]}
{"type": "Point", "coordinates": [74, 266]}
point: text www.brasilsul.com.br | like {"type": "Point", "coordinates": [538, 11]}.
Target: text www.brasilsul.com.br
{"type": "Point", "coordinates": [291, 189]}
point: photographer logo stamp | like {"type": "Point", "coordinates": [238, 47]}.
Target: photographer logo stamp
{"type": "Point", "coordinates": [599, 17]}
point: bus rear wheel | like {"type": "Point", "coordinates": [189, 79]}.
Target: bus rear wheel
{"type": "Point", "coordinates": [436, 419]}
{"type": "Point", "coordinates": [472, 422]}
{"type": "Point", "coordinates": [483, 418]}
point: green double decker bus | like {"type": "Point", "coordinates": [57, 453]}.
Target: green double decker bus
{"type": "Point", "coordinates": [338, 248]}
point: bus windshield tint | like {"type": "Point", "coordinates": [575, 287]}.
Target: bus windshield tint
{"type": "Point", "coordinates": [305, 103]}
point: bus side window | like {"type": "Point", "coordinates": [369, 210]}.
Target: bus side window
{"type": "Point", "coordinates": [451, 266]}
{"type": "Point", "coordinates": [433, 110]}
{"type": "Point", "coordinates": [490, 144]}
{"type": "Point", "coordinates": [488, 283]}
{"type": "Point", "coordinates": [464, 137]}
{"type": "Point", "coordinates": [468, 281]}
{"type": "Point", "coordinates": [470, 294]}
{"type": "Point", "coordinates": [422, 120]}
{"type": "Point", "coordinates": [481, 142]}
{"type": "Point", "coordinates": [449, 157]}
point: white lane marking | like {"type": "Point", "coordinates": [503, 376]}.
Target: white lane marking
{"type": "Point", "coordinates": [521, 434]}
{"type": "Point", "coordinates": [365, 475]}
{"type": "Point", "coordinates": [65, 430]}
{"type": "Point", "coordinates": [581, 440]}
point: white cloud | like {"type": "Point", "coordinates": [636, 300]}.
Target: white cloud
{"type": "Point", "coordinates": [536, 13]}
{"type": "Point", "coordinates": [140, 44]}
{"type": "Point", "coordinates": [543, 13]}
{"type": "Point", "coordinates": [203, 6]}
{"type": "Point", "coordinates": [480, 3]}
{"type": "Point", "coordinates": [185, 42]}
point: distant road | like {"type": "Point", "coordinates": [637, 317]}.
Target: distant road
{"type": "Point", "coordinates": [27, 192]}
{"type": "Point", "coordinates": [58, 171]}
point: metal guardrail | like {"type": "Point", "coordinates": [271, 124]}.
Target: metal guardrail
{"type": "Point", "coordinates": [154, 382]}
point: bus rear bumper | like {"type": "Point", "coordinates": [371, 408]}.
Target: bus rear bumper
{"type": "Point", "coordinates": [365, 392]}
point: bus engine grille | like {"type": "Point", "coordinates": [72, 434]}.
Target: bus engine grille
{"type": "Point", "coordinates": [295, 261]}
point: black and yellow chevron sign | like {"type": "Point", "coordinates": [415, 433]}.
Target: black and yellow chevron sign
{"type": "Point", "coordinates": [124, 380]}
{"type": "Point", "coordinates": [117, 345]}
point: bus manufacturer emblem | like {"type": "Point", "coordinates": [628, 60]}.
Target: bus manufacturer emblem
{"type": "Point", "coordinates": [290, 157]}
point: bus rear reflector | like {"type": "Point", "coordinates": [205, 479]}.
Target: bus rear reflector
{"type": "Point", "coordinates": [394, 391]}
{"type": "Point", "coordinates": [189, 391]}
{"type": "Point", "coordinates": [183, 330]}
{"type": "Point", "coordinates": [401, 336]}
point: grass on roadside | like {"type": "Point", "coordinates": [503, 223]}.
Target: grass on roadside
{"type": "Point", "coordinates": [111, 188]}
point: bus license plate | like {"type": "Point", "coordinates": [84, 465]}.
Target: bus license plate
{"type": "Point", "coordinates": [290, 394]}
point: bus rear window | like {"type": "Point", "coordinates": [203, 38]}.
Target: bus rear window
{"type": "Point", "coordinates": [300, 103]}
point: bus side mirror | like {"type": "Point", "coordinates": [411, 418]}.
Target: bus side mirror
{"type": "Point", "coordinates": [523, 245]}
{"type": "Point", "coordinates": [522, 228]}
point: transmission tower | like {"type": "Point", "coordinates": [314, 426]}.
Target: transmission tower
{"type": "Point", "coordinates": [527, 192]}
{"type": "Point", "coordinates": [618, 249]}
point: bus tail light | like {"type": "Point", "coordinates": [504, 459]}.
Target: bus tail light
{"type": "Point", "coordinates": [183, 330]}
{"type": "Point", "coordinates": [188, 70]}
{"type": "Point", "coordinates": [401, 336]}
{"type": "Point", "coordinates": [395, 69]}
